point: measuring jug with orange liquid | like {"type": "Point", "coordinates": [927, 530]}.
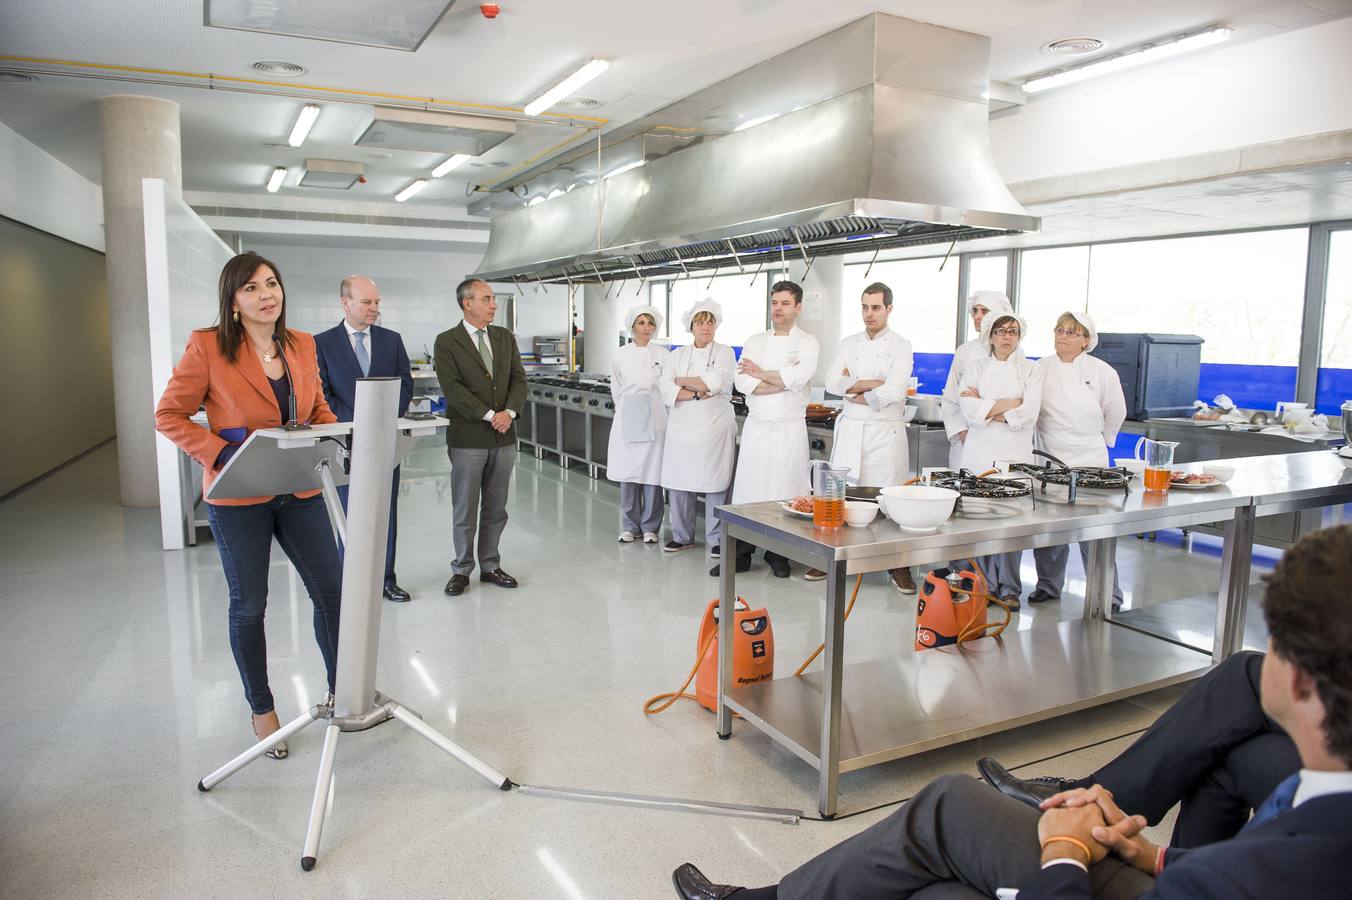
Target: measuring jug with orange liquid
{"type": "Point", "coordinates": [1158, 457]}
{"type": "Point", "coordinates": [828, 494]}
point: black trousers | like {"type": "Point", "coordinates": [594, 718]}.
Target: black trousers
{"type": "Point", "coordinates": [745, 551]}
{"type": "Point", "coordinates": [1215, 751]}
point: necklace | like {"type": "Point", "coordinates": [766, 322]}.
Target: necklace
{"type": "Point", "coordinates": [268, 355]}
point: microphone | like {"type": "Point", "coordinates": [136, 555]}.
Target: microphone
{"type": "Point", "coordinates": [291, 424]}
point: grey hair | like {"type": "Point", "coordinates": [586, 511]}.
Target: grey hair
{"type": "Point", "coordinates": [345, 286]}
{"type": "Point", "coordinates": [465, 290]}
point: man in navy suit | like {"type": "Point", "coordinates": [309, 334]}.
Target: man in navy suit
{"type": "Point", "coordinates": [355, 348]}
{"type": "Point", "coordinates": [966, 841]}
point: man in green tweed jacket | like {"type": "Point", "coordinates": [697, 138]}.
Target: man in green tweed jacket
{"type": "Point", "coordinates": [481, 377]}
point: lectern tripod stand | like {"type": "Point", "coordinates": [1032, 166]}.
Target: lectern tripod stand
{"type": "Point", "coordinates": [278, 461]}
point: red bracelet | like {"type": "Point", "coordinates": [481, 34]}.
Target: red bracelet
{"type": "Point", "coordinates": [1159, 861]}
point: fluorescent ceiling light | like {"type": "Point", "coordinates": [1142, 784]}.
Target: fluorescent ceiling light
{"type": "Point", "coordinates": [567, 86]}
{"type": "Point", "coordinates": [752, 123]}
{"type": "Point", "coordinates": [557, 192]}
{"type": "Point", "coordinates": [450, 163]}
{"type": "Point", "coordinates": [626, 167]}
{"type": "Point", "coordinates": [275, 179]}
{"type": "Point", "coordinates": [304, 122]}
{"type": "Point", "coordinates": [535, 201]}
{"type": "Point", "coordinates": [410, 190]}
{"type": "Point", "coordinates": [1130, 59]}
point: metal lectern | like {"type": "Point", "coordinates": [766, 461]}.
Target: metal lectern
{"type": "Point", "coordinates": [281, 461]}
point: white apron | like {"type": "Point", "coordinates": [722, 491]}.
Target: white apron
{"type": "Point", "coordinates": [996, 442]}
{"type": "Point", "coordinates": [954, 422]}
{"type": "Point", "coordinates": [701, 440]}
{"type": "Point", "coordinates": [773, 458]}
{"type": "Point", "coordinates": [1070, 424]}
{"type": "Point", "coordinates": [639, 428]}
{"type": "Point", "coordinates": [873, 449]}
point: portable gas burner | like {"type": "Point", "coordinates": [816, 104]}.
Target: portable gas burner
{"type": "Point", "coordinates": [974, 487]}
{"type": "Point", "coordinates": [1054, 471]}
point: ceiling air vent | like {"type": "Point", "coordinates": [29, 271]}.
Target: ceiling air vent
{"type": "Point", "coordinates": [277, 67]}
{"type": "Point", "coordinates": [335, 174]}
{"type": "Point", "coordinates": [1075, 46]}
{"type": "Point", "coordinates": [391, 128]}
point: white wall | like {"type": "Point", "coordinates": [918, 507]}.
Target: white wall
{"type": "Point", "coordinates": [44, 193]}
{"type": "Point", "coordinates": [1289, 85]}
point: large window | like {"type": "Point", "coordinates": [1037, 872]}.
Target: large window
{"type": "Point", "coordinates": [924, 308]}
{"type": "Point", "coordinates": [1051, 282]}
{"type": "Point", "coordinates": [984, 273]}
{"type": "Point", "coordinates": [1335, 352]}
{"type": "Point", "coordinates": [745, 301]}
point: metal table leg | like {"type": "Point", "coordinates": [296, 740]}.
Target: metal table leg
{"type": "Point", "coordinates": [1098, 579]}
{"type": "Point", "coordinates": [834, 639]}
{"type": "Point", "coordinates": [727, 598]}
{"type": "Point", "coordinates": [1233, 603]}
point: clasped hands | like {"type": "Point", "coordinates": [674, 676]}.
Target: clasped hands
{"type": "Point", "coordinates": [501, 421]}
{"type": "Point", "coordinates": [1092, 817]}
{"type": "Point", "coordinates": [999, 408]}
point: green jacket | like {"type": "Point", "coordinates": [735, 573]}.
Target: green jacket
{"type": "Point", "coordinates": [470, 392]}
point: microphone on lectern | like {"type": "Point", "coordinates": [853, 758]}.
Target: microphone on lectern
{"type": "Point", "coordinates": [291, 423]}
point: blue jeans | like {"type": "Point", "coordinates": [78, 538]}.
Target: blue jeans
{"type": "Point", "coordinates": [244, 537]}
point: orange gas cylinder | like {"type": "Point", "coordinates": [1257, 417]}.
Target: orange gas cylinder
{"type": "Point", "coordinates": [753, 650]}
{"type": "Point", "coordinates": [948, 611]}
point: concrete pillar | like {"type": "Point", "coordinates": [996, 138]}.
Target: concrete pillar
{"type": "Point", "coordinates": [822, 289]}
{"type": "Point", "coordinates": [604, 321]}
{"type": "Point", "coordinates": [140, 140]}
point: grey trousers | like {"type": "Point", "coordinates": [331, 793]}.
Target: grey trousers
{"type": "Point", "coordinates": [683, 516]}
{"type": "Point", "coordinates": [957, 829]}
{"type": "Point", "coordinates": [1002, 571]}
{"type": "Point", "coordinates": [641, 507]}
{"type": "Point", "coordinates": [1051, 570]}
{"type": "Point", "coordinates": [479, 477]}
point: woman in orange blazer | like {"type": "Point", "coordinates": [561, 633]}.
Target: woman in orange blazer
{"type": "Point", "coordinates": [235, 370]}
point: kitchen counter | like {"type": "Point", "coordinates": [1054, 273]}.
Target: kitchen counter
{"type": "Point", "coordinates": [847, 717]}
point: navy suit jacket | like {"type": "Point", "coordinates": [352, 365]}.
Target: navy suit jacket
{"type": "Point", "coordinates": [1304, 853]}
{"type": "Point", "coordinates": [338, 369]}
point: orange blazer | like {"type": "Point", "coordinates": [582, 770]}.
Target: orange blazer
{"type": "Point", "coordinates": [236, 395]}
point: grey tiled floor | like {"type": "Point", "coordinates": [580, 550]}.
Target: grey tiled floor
{"type": "Point", "coordinates": [121, 693]}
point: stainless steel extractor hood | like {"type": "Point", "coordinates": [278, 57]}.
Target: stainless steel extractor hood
{"type": "Point", "coordinates": [894, 151]}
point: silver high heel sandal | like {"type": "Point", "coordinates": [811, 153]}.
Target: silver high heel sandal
{"type": "Point", "coordinates": [278, 751]}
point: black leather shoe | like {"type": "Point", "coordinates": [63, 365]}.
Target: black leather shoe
{"type": "Point", "coordinates": [457, 585]}
{"type": "Point", "coordinates": [692, 885]}
{"type": "Point", "coordinates": [743, 564]}
{"type": "Point", "coordinates": [780, 568]}
{"type": "Point", "coordinates": [498, 577]}
{"type": "Point", "coordinates": [1040, 596]}
{"type": "Point", "coordinates": [1027, 790]}
{"type": "Point", "coordinates": [395, 594]}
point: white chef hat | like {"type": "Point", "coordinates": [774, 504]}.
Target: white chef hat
{"type": "Point", "coordinates": [641, 309]}
{"type": "Point", "coordinates": [709, 305]}
{"type": "Point", "coordinates": [995, 314]}
{"type": "Point", "coordinates": [1086, 323]}
{"type": "Point", "coordinates": [995, 301]}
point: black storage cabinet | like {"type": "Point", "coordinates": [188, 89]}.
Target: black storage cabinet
{"type": "Point", "coordinates": [1159, 372]}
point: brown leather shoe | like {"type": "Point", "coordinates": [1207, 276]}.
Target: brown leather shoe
{"type": "Point", "coordinates": [814, 575]}
{"type": "Point", "coordinates": [498, 577]}
{"type": "Point", "coordinates": [902, 580]}
{"type": "Point", "coordinates": [456, 586]}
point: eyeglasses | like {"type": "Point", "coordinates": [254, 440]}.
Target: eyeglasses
{"type": "Point", "coordinates": [1069, 332]}
{"type": "Point", "coordinates": [1006, 332]}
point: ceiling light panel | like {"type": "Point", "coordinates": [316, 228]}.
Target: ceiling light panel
{"type": "Point", "coordinates": [449, 134]}
{"type": "Point", "coordinates": [450, 163]}
{"type": "Point", "coordinates": [305, 120]}
{"type": "Point", "coordinates": [275, 179]}
{"type": "Point", "coordinates": [566, 87]}
{"type": "Point", "coordinates": [393, 24]}
{"type": "Point", "coordinates": [410, 190]}
{"type": "Point", "coordinates": [335, 174]}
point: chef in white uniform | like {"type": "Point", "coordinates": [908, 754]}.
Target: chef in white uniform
{"type": "Point", "coordinates": [634, 458]}
{"type": "Point", "coordinates": [1082, 411]}
{"type": "Point", "coordinates": [1000, 397]}
{"type": "Point", "coordinates": [872, 371]}
{"type": "Point", "coordinates": [775, 373]}
{"type": "Point", "coordinates": [701, 443]}
{"type": "Point", "coordinates": [979, 305]}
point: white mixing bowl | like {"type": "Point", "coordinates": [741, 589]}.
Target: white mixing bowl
{"type": "Point", "coordinates": [860, 512]}
{"type": "Point", "coordinates": [917, 507]}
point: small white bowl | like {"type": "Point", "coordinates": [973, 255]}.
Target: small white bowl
{"type": "Point", "coordinates": [1220, 473]}
{"type": "Point", "coordinates": [860, 512]}
{"type": "Point", "coordinates": [917, 507]}
{"type": "Point", "coordinates": [1131, 464]}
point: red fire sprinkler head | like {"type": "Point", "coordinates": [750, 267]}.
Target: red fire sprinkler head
{"type": "Point", "coordinates": [490, 10]}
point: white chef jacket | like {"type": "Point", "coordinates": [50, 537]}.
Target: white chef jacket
{"type": "Point", "coordinates": [639, 429]}
{"type": "Point", "coordinates": [701, 441]}
{"type": "Point", "coordinates": [870, 439]}
{"type": "Point", "coordinates": [954, 421]}
{"type": "Point", "coordinates": [772, 462]}
{"type": "Point", "coordinates": [988, 441]}
{"type": "Point", "coordinates": [1082, 409]}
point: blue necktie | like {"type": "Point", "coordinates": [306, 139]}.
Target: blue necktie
{"type": "Point", "coordinates": [363, 359]}
{"type": "Point", "coordinates": [1277, 803]}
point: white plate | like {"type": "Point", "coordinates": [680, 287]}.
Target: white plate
{"type": "Point", "coordinates": [788, 508]}
{"type": "Point", "coordinates": [1177, 486]}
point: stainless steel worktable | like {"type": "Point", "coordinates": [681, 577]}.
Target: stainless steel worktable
{"type": "Point", "coordinates": [848, 717]}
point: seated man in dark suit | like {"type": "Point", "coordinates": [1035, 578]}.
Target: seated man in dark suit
{"type": "Point", "coordinates": [1214, 751]}
{"type": "Point", "coordinates": [356, 348]}
{"type": "Point", "coordinates": [960, 834]}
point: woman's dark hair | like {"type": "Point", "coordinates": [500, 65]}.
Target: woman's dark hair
{"type": "Point", "coordinates": [1003, 320]}
{"type": "Point", "coordinates": [1304, 606]}
{"type": "Point", "coordinates": [237, 273]}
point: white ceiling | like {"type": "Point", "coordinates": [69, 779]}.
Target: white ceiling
{"type": "Point", "coordinates": [660, 52]}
